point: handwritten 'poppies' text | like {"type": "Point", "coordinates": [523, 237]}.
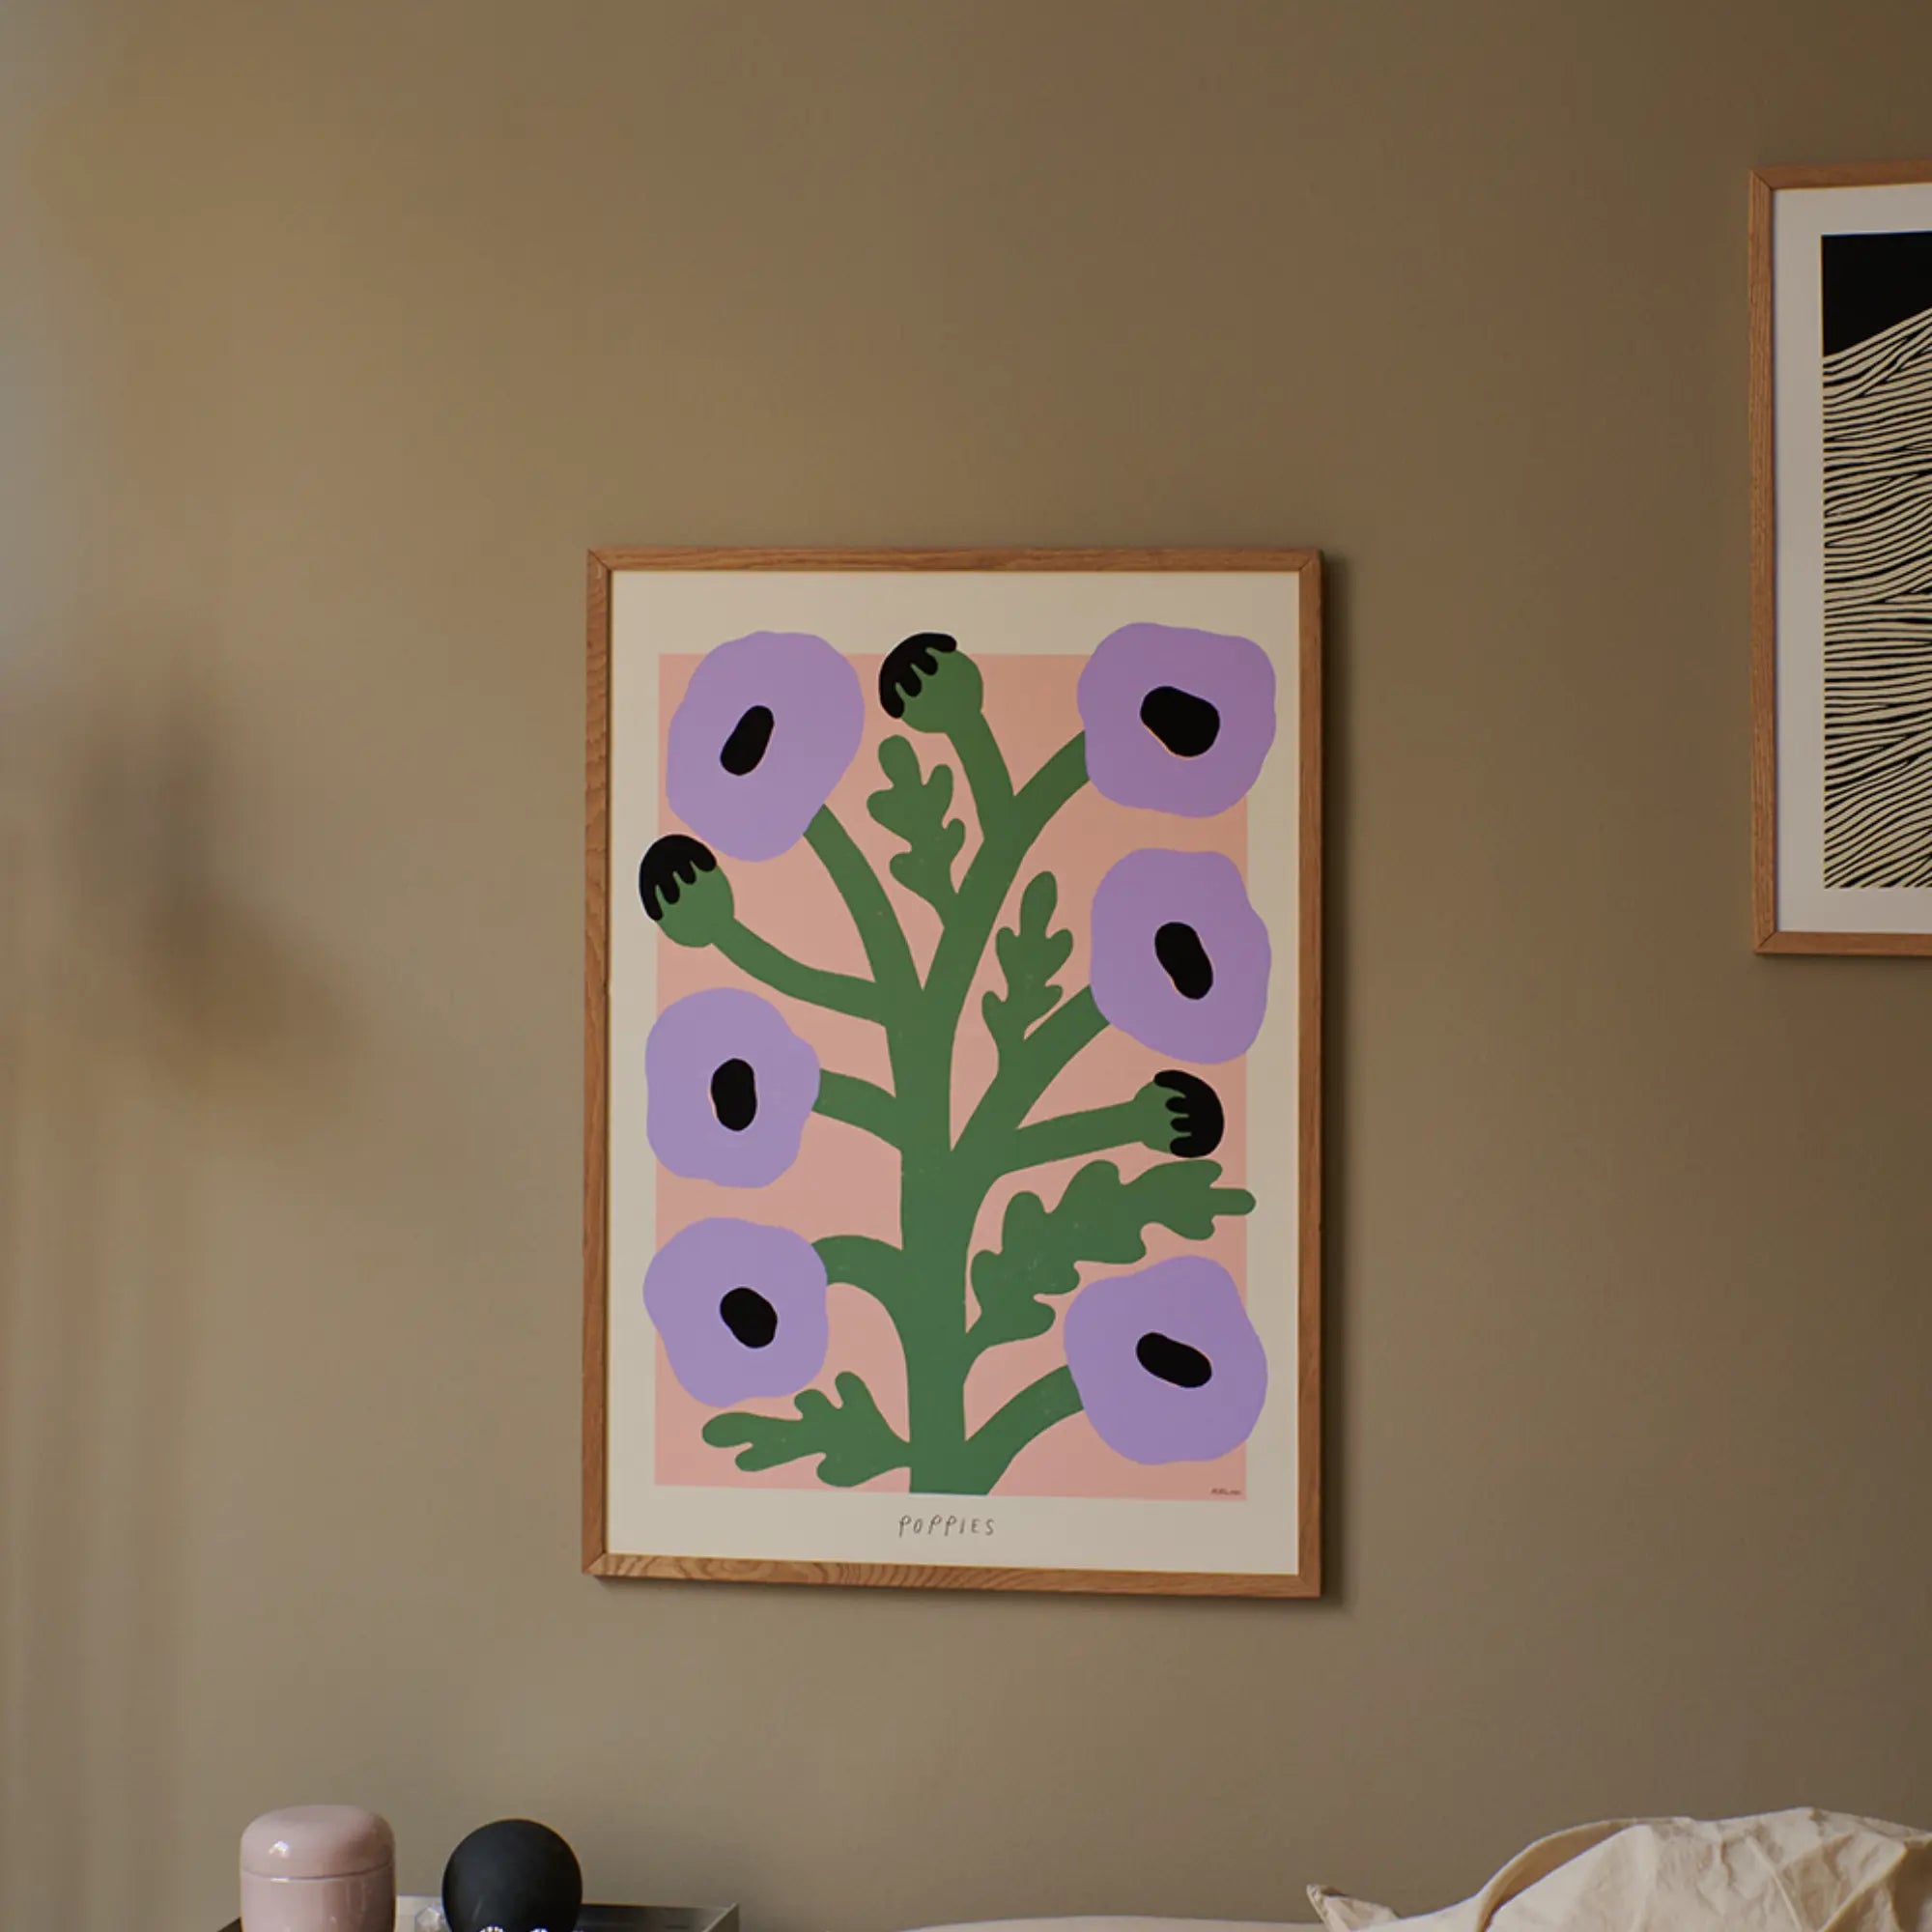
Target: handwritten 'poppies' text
{"type": "Point", "coordinates": [941, 1527]}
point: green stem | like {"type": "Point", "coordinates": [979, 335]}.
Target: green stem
{"type": "Point", "coordinates": [1014, 1090]}
{"type": "Point", "coordinates": [1056, 781]}
{"type": "Point", "coordinates": [1006, 837]}
{"type": "Point", "coordinates": [942, 1187]}
{"type": "Point", "coordinates": [1092, 1131]}
{"type": "Point", "coordinates": [923, 1286]}
{"type": "Point", "coordinates": [1031, 1413]}
{"type": "Point", "coordinates": [879, 930]}
{"type": "Point", "coordinates": [837, 992]}
{"type": "Point", "coordinates": [858, 1260]}
{"type": "Point", "coordinates": [1052, 786]}
{"type": "Point", "coordinates": [986, 767]}
{"type": "Point", "coordinates": [937, 1204]}
{"type": "Point", "coordinates": [858, 1103]}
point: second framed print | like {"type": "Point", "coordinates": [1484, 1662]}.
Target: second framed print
{"type": "Point", "coordinates": [952, 1083]}
{"type": "Point", "coordinates": [1841, 529]}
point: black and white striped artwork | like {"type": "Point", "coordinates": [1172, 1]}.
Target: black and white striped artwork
{"type": "Point", "coordinates": [1876, 317]}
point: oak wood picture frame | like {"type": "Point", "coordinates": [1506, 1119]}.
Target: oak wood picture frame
{"type": "Point", "coordinates": [1770, 934]}
{"type": "Point", "coordinates": [598, 1558]}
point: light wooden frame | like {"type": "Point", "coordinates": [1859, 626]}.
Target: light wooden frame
{"type": "Point", "coordinates": [598, 1559]}
{"type": "Point", "coordinates": [1768, 935]}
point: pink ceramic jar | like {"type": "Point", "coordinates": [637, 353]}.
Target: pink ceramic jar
{"type": "Point", "coordinates": [319, 1868]}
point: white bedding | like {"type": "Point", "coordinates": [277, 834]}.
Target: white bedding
{"type": "Point", "coordinates": [1122, 1925]}
{"type": "Point", "coordinates": [1786, 1871]}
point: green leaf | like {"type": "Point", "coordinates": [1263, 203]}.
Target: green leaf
{"type": "Point", "coordinates": [1029, 954]}
{"type": "Point", "coordinates": [1099, 1218]}
{"type": "Point", "coordinates": [915, 808]}
{"type": "Point", "coordinates": [854, 1441]}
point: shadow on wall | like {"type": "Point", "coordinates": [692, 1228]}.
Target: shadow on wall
{"type": "Point", "coordinates": [134, 990]}
{"type": "Point", "coordinates": [137, 992]}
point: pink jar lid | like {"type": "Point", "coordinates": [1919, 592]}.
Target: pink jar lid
{"type": "Point", "coordinates": [317, 1841]}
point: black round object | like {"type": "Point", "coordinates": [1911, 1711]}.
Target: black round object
{"type": "Point", "coordinates": [515, 1876]}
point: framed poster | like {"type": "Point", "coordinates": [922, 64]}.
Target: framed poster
{"type": "Point", "coordinates": [952, 995]}
{"type": "Point", "coordinates": [1841, 538]}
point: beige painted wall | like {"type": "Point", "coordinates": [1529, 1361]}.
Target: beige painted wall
{"type": "Point", "coordinates": [347, 329]}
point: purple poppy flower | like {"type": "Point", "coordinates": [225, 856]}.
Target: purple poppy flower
{"type": "Point", "coordinates": [741, 1308]}
{"type": "Point", "coordinates": [1181, 958]}
{"type": "Point", "coordinates": [768, 724]}
{"type": "Point", "coordinates": [1177, 720]}
{"type": "Point", "coordinates": [1167, 1365]}
{"type": "Point", "coordinates": [729, 1087]}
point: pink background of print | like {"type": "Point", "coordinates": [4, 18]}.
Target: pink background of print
{"type": "Point", "coordinates": [845, 1183]}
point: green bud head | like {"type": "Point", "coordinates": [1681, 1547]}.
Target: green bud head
{"type": "Point", "coordinates": [930, 683]}
{"type": "Point", "coordinates": [684, 892]}
{"type": "Point", "coordinates": [1182, 1115]}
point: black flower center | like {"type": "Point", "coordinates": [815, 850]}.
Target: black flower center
{"type": "Point", "coordinates": [1187, 725]}
{"type": "Point", "coordinates": [1167, 1360]}
{"type": "Point", "coordinates": [1184, 959]}
{"type": "Point", "coordinates": [753, 1320]}
{"type": "Point", "coordinates": [734, 1095]}
{"type": "Point", "coordinates": [750, 737]}
{"type": "Point", "coordinates": [1195, 1109]}
{"type": "Point", "coordinates": [673, 862]}
{"type": "Point", "coordinates": [908, 664]}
